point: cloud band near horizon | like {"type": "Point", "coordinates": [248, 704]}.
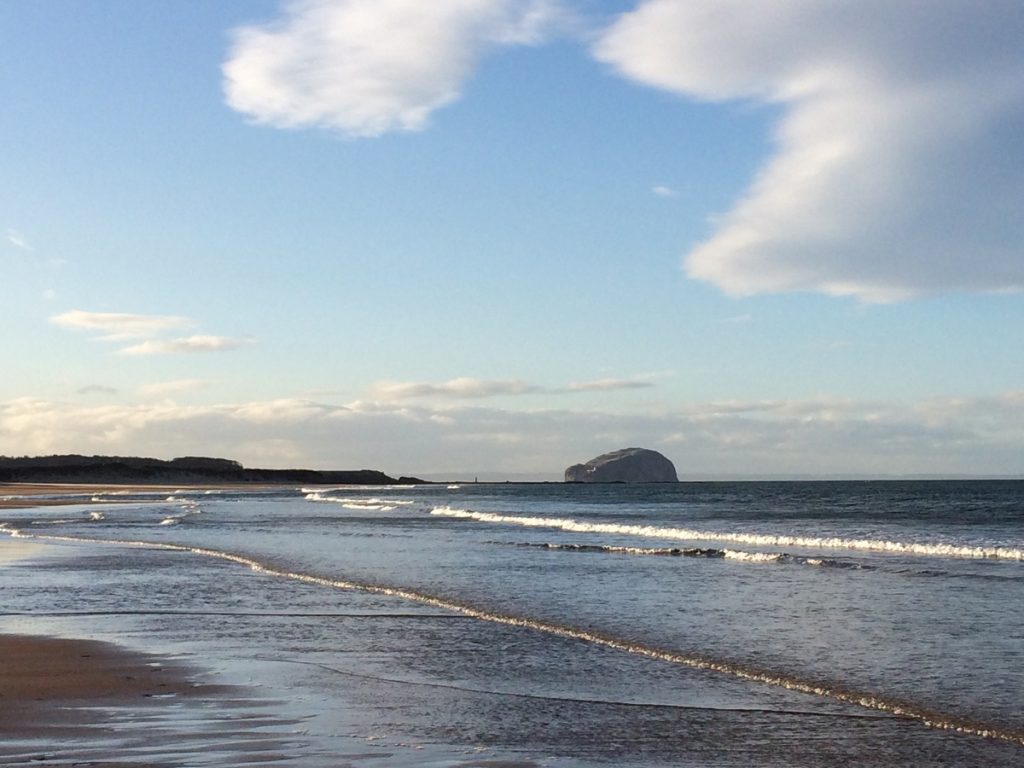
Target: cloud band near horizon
{"type": "Point", "coordinates": [983, 435]}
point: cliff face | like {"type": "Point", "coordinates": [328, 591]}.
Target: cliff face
{"type": "Point", "coordinates": [628, 465]}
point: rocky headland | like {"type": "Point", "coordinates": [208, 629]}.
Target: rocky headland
{"type": "Point", "coordinates": [187, 470]}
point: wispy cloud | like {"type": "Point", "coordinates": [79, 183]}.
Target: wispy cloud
{"type": "Point", "coordinates": [889, 175]}
{"type": "Point", "coordinates": [15, 238]}
{"type": "Point", "coordinates": [367, 67]}
{"type": "Point", "coordinates": [470, 388]}
{"type": "Point", "coordinates": [456, 388]}
{"type": "Point", "coordinates": [117, 326]}
{"type": "Point", "coordinates": [96, 389]}
{"type": "Point", "coordinates": [171, 388]}
{"type": "Point", "coordinates": [608, 385]}
{"type": "Point", "coordinates": [183, 345]}
{"type": "Point", "coordinates": [662, 191]}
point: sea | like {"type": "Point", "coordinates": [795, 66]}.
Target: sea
{"type": "Point", "coordinates": [497, 625]}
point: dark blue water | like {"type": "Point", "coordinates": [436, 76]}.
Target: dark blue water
{"type": "Point", "coordinates": [789, 624]}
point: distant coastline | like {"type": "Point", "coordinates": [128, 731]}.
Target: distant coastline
{"type": "Point", "coordinates": [187, 470]}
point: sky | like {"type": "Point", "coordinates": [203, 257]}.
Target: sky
{"type": "Point", "coordinates": [495, 238]}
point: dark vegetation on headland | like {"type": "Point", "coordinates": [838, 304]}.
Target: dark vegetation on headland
{"type": "Point", "coordinates": [186, 470]}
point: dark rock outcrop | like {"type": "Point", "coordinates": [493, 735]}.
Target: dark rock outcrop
{"type": "Point", "coordinates": [185, 471]}
{"type": "Point", "coordinates": [628, 465]}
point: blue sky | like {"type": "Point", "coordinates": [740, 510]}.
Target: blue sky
{"type": "Point", "coordinates": [498, 237]}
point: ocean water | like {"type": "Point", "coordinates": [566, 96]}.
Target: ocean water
{"type": "Point", "coordinates": [698, 624]}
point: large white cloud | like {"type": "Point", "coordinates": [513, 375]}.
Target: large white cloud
{"type": "Point", "coordinates": [966, 435]}
{"type": "Point", "coordinates": [898, 152]}
{"type": "Point", "coordinates": [366, 67]}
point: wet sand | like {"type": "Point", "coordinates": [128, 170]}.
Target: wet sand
{"type": "Point", "coordinates": [53, 689]}
{"type": "Point", "coordinates": [89, 703]}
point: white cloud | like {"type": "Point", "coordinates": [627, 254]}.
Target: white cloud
{"type": "Point", "coordinates": [96, 389]}
{"type": "Point", "coordinates": [117, 326]}
{"type": "Point", "coordinates": [367, 67]}
{"type": "Point", "coordinates": [170, 388]}
{"type": "Point", "coordinates": [470, 388]}
{"type": "Point", "coordinates": [196, 343]}
{"type": "Point", "coordinates": [608, 385]}
{"type": "Point", "coordinates": [895, 167]}
{"type": "Point", "coordinates": [463, 387]}
{"type": "Point", "coordinates": [15, 238]}
{"type": "Point", "coordinates": [662, 191]}
{"type": "Point", "coordinates": [966, 435]}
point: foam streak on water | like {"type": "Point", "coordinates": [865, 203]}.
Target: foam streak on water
{"type": "Point", "coordinates": [755, 539]}
{"type": "Point", "coordinates": [768, 677]}
{"type": "Point", "coordinates": [370, 504]}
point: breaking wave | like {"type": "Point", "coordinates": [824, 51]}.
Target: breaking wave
{"type": "Point", "coordinates": [831, 691]}
{"type": "Point", "coordinates": [373, 504]}
{"type": "Point", "coordinates": [706, 552]}
{"type": "Point", "coordinates": [753, 539]}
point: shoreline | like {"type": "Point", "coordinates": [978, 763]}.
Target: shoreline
{"type": "Point", "coordinates": [28, 495]}
{"type": "Point", "coordinates": [63, 697]}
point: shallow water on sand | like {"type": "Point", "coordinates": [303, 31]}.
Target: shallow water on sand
{"type": "Point", "coordinates": [788, 624]}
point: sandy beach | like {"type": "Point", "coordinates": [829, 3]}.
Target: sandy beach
{"type": "Point", "coordinates": [51, 687]}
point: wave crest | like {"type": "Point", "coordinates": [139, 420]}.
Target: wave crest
{"type": "Point", "coordinates": [754, 539]}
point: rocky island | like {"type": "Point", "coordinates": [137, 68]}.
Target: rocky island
{"type": "Point", "coordinates": [627, 465]}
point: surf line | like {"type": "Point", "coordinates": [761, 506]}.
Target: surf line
{"type": "Point", "coordinates": [569, 699]}
{"type": "Point", "coordinates": [778, 540]}
{"type": "Point", "coordinates": [866, 700]}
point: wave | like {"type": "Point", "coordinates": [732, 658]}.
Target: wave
{"type": "Point", "coordinates": [934, 549]}
{"type": "Point", "coordinates": [60, 521]}
{"type": "Point", "coordinates": [727, 554]}
{"type": "Point", "coordinates": [832, 691]}
{"type": "Point", "coordinates": [187, 506]}
{"type": "Point", "coordinates": [379, 488]}
{"type": "Point", "coordinates": [373, 504]}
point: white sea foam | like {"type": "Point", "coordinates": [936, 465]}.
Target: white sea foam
{"type": "Point", "coordinates": [752, 557]}
{"type": "Point", "coordinates": [753, 539]}
{"type": "Point", "coordinates": [372, 504]}
{"type": "Point", "coordinates": [378, 488]}
{"type": "Point", "coordinates": [95, 515]}
{"type": "Point", "coordinates": [694, 661]}
{"type": "Point", "coordinates": [743, 556]}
